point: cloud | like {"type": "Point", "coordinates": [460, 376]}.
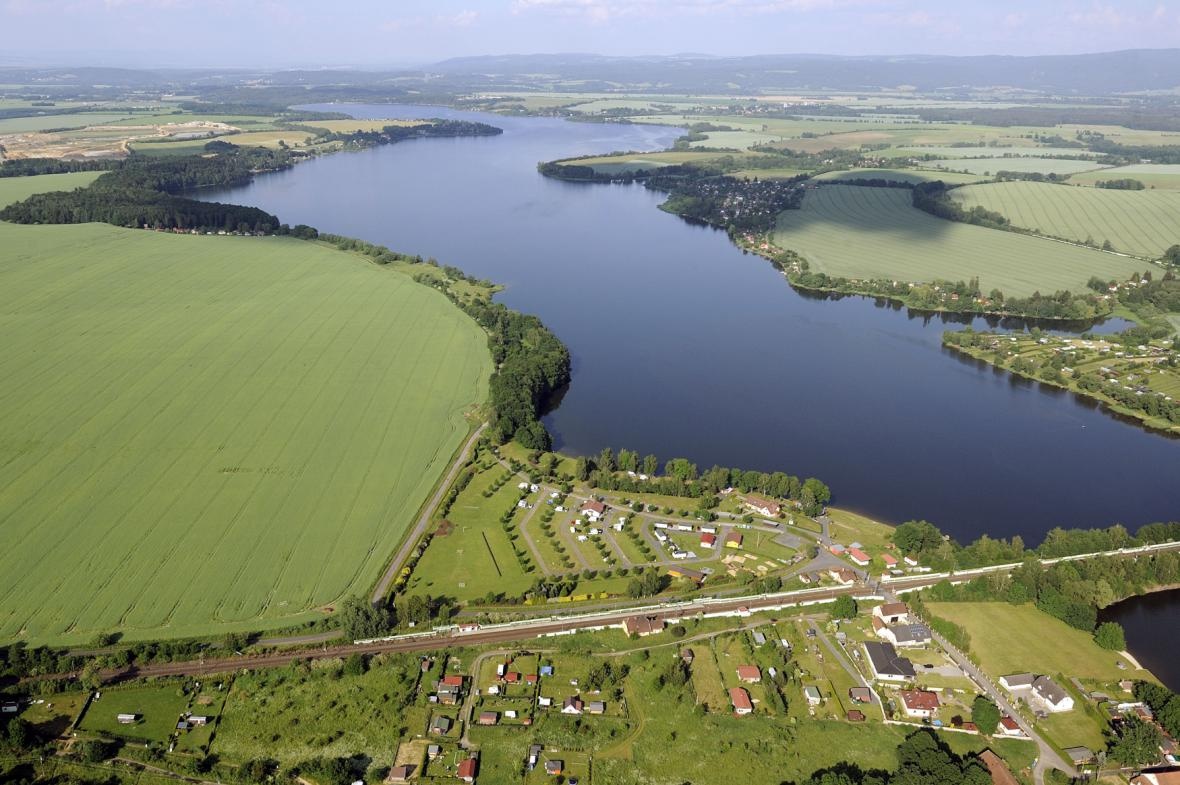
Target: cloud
{"type": "Point", "coordinates": [458, 19]}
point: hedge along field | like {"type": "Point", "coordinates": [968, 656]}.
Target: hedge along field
{"type": "Point", "coordinates": [202, 434]}
{"type": "Point", "coordinates": [17, 189]}
{"type": "Point", "coordinates": [1143, 223]}
{"type": "Point", "coordinates": [861, 232]}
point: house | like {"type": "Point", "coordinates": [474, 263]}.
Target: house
{"type": "Point", "coordinates": [912, 561]}
{"type": "Point", "coordinates": [596, 707]}
{"type": "Point", "coordinates": [453, 680]}
{"type": "Point", "coordinates": [531, 678]}
{"type": "Point", "coordinates": [546, 670]}
{"type": "Point", "coordinates": [859, 557]}
{"type": "Point", "coordinates": [127, 719]}
{"type": "Point", "coordinates": [919, 703]}
{"type": "Point", "coordinates": [494, 689]}
{"type": "Point", "coordinates": [433, 751]}
{"type": "Point", "coordinates": [554, 768]}
{"type": "Point", "coordinates": [759, 638]}
{"type": "Point", "coordinates": [998, 770]}
{"type": "Point", "coordinates": [1079, 755]}
{"type": "Point", "coordinates": [1051, 695]}
{"type": "Point", "coordinates": [890, 561]}
{"type": "Point", "coordinates": [812, 695]}
{"type": "Point", "coordinates": [892, 613]}
{"type": "Point", "coordinates": [401, 773]}
{"type": "Point", "coordinates": [750, 674]}
{"type": "Point", "coordinates": [643, 625]}
{"type": "Point", "coordinates": [512, 677]}
{"type": "Point", "coordinates": [593, 509]}
{"type": "Point", "coordinates": [843, 576]}
{"type": "Point", "coordinates": [182, 725]}
{"type": "Point", "coordinates": [855, 715]}
{"type": "Point", "coordinates": [903, 634]}
{"type": "Point", "coordinates": [489, 717]}
{"type": "Point", "coordinates": [740, 699]}
{"type": "Point", "coordinates": [688, 655]}
{"type": "Point", "coordinates": [198, 720]}
{"type": "Point", "coordinates": [886, 664]}
{"type": "Point", "coordinates": [684, 572]}
{"type": "Point", "coordinates": [708, 540]}
{"type": "Point", "coordinates": [1017, 683]}
{"type": "Point", "coordinates": [1009, 727]}
{"type": "Point", "coordinates": [441, 726]}
{"type": "Point", "coordinates": [762, 506]}
{"type": "Point", "coordinates": [572, 705]}
{"type": "Point", "coordinates": [836, 549]}
{"type": "Point", "coordinates": [733, 540]}
{"type": "Point", "coordinates": [544, 702]}
{"type": "Point", "coordinates": [449, 695]}
{"type": "Point", "coordinates": [860, 694]}
{"type": "Point", "coordinates": [534, 756]}
{"type": "Point", "coordinates": [1161, 777]}
{"type": "Point", "coordinates": [468, 769]}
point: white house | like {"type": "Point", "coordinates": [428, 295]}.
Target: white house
{"type": "Point", "coordinates": [921, 704]}
{"type": "Point", "coordinates": [1051, 695]}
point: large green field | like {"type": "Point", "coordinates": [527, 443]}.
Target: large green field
{"type": "Point", "coordinates": [201, 434]}
{"type": "Point", "coordinates": [1143, 223]}
{"type": "Point", "coordinates": [1018, 638]}
{"type": "Point", "coordinates": [989, 166]}
{"type": "Point", "coordinates": [1166, 176]}
{"type": "Point", "coordinates": [15, 189]}
{"type": "Point", "coordinates": [863, 232]}
{"type": "Point", "coordinates": [900, 175]}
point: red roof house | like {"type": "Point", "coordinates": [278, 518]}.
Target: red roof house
{"type": "Point", "coordinates": [750, 674]}
{"type": "Point", "coordinates": [741, 701]}
{"type": "Point", "coordinates": [468, 769]}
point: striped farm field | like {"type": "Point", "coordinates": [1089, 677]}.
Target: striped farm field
{"type": "Point", "coordinates": [860, 232]}
{"type": "Point", "coordinates": [900, 175]}
{"type": "Point", "coordinates": [16, 189]}
{"type": "Point", "coordinates": [1161, 176]}
{"type": "Point", "coordinates": [204, 434]}
{"type": "Point", "coordinates": [989, 166]}
{"type": "Point", "coordinates": [1143, 223]}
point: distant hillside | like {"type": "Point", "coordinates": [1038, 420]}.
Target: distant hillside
{"type": "Point", "coordinates": [1107, 72]}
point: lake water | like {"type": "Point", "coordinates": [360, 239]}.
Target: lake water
{"type": "Point", "coordinates": [1152, 624]}
{"type": "Point", "coordinates": [684, 346]}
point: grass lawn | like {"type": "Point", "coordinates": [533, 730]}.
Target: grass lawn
{"type": "Point", "coordinates": [475, 555]}
{"type": "Point", "coordinates": [1017, 638]}
{"type": "Point", "coordinates": [159, 708]}
{"type": "Point", "coordinates": [847, 527]}
{"type": "Point", "coordinates": [211, 433]}
{"type": "Point", "coordinates": [875, 233]}
{"type": "Point", "coordinates": [24, 125]}
{"type": "Point", "coordinates": [15, 189]}
{"type": "Point", "coordinates": [52, 716]}
{"type": "Point", "coordinates": [1075, 728]}
{"type": "Point", "coordinates": [299, 712]}
{"type": "Point", "coordinates": [900, 175]}
{"type": "Point", "coordinates": [1159, 176]}
{"type": "Point", "coordinates": [990, 166]}
{"type": "Point", "coordinates": [1143, 223]}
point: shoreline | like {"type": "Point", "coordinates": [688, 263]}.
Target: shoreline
{"type": "Point", "coordinates": [1140, 418]}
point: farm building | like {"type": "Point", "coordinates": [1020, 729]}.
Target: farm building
{"type": "Point", "coordinates": [886, 664]}
{"type": "Point", "coordinates": [919, 703]}
{"type": "Point", "coordinates": [762, 506]}
{"type": "Point", "coordinates": [740, 699]}
{"type": "Point", "coordinates": [467, 770]}
{"type": "Point", "coordinates": [892, 613]}
{"type": "Point", "coordinates": [750, 674]}
{"type": "Point", "coordinates": [643, 625]}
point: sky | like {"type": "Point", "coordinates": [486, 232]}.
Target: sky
{"type": "Point", "coordinates": [374, 33]}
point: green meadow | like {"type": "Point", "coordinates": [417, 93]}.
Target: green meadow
{"type": "Point", "coordinates": [201, 434]}
{"type": "Point", "coordinates": [1143, 223]}
{"type": "Point", "coordinates": [861, 232]}
{"type": "Point", "coordinates": [16, 189]}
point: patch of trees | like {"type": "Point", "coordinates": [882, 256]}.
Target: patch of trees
{"type": "Point", "coordinates": [923, 759]}
{"type": "Point", "coordinates": [391, 134]}
{"type": "Point", "coordinates": [933, 198]}
{"type": "Point", "coordinates": [144, 192]}
{"type": "Point", "coordinates": [1134, 742]}
{"type": "Point", "coordinates": [1163, 295]}
{"type": "Point", "coordinates": [30, 167]}
{"type": "Point", "coordinates": [1164, 703]}
{"type": "Point", "coordinates": [1121, 184]}
{"type": "Point", "coordinates": [1036, 177]}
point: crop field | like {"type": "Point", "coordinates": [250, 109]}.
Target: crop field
{"type": "Point", "coordinates": [874, 233]}
{"type": "Point", "coordinates": [984, 151]}
{"type": "Point", "coordinates": [24, 125]}
{"type": "Point", "coordinates": [200, 434]}
{"type": "Point", "coordinates": [1160, 176]}
{"type": "Point", "coordinates": [1032, 641]}
{"type": "Point", "coordinates": [1143, 223]}
{"type": "Point", "coordinates": [989, 166]}
{"type": "Point", "coordinates": [900, 175]}
{"type": "Point", "coordinates": [196, 146]}
{"type": "Point", "coordinates": [16, 189]}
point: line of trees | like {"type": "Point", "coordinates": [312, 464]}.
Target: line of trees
{"type": "Point", "coordinates": [391, 134]}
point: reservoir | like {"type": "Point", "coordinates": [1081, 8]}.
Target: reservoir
{"type": "Point", "coordinates": [683, 346]}
{"type": "Point", "coordinates": [1152, 624]}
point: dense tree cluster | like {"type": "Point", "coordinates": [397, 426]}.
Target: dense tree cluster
{"type": "Point", "coordinates": [923, 759]}
{"type": "Point", "coordinates": [391, 134]}
{"type": "Point", "coordinates": [144, 192]}
{"type": "Point", "coordinates": [30, 167]}
{"type": "Point", "coordinates": [1121, 184]}
{"type": "Point", "coordinates": [1164, 703]}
